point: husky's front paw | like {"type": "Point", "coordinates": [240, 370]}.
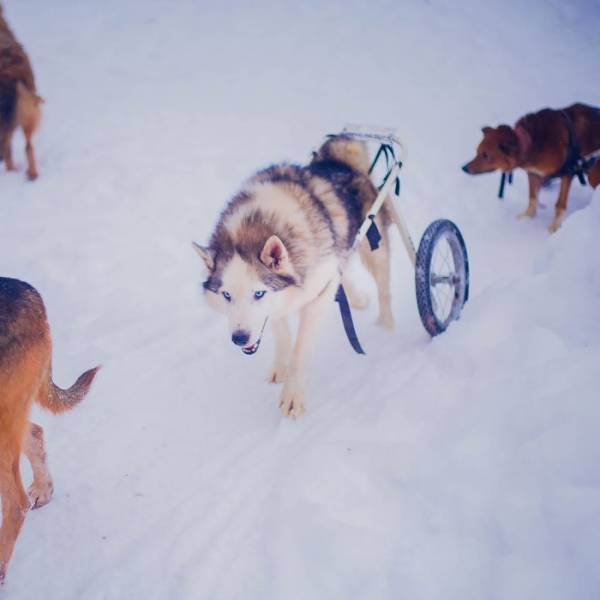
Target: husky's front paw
{"type": "Point", "coordinates": [358, 300]}
{"type": "Point", "coordinates": [40, 494]}
{"type": "Point", "coordinates": [386, 321]}
{"type": "Point", "coordinates": [278, 373]}
{"type": "Point", "coordinates": [291, 401]}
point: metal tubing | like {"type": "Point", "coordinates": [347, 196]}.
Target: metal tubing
{"type": "Point", "coordinates": [403, 230]}
{"type": "Point", "coordinates": [384, 193]}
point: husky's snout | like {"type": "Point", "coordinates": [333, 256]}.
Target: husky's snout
{"type": "Point", "coordinates": [240, 337]}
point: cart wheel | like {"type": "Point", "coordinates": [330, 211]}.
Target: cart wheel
{"type": "Point", "coordinates": [441, 276]}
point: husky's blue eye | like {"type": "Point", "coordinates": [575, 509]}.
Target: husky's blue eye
{"type": "Point", "coordinates": [258, 295]}
{"type": "Point", "coordinates": [227, 296]}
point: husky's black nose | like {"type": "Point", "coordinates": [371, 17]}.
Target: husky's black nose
{"type": "Point", "coordinates": [240, 337]}
{"type": "Point", "coordinates": [465, 168]}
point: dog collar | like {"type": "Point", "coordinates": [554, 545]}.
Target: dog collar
{"type": "Point", "coordinates": [524, 141]}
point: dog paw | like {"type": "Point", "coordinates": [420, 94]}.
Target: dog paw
{"type": "Point", "coordinates": [554, 227]}
{"type": "Point", "coordinates": [527, 214]}
{"type": "Point", "coordinates": [557, 222]}
{"type": "Point", "coordinates": [387, 322]}
{"type": "Point", "coordinates": [291, 402]}
{"type": "Point", "coordinates": [32, 175]}
{"type": "Point", "coordinates": [40, 494]}
{"type": "Point", "coordinates": [2, 574]}
{"type": "Point", "coordinates": [277, 374]}
{"type": "Point", "coordinates": [358, 301]}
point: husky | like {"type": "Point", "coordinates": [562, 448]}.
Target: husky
{"type": "Point", "coordinates": [281, 246]}
{"type": "Point", "coordinates": [26, 377]}
{"type": "Point", "coordinates": [19, 102]}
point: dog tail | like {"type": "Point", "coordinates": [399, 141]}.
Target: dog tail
{"type": "Point", "coordinates": [346, 150]}
{"type": "Point", "coordinates": [57, 400]}
{"type": "Point", "coordinates": [354, 153]}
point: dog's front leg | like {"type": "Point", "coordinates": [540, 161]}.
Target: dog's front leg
{"type": "Point", "coordinates": [311, 315]}
{"type": "Point", "coordinates": [561, 203]}
{"type": "Point", "coordinates": [356, 299]}
{"type": "Point", "coordinates": [594, 175]}
{"type": "Point", "coordinates": [283, 349]}
{"type": "Point", "coordinates": [535, 183]}
{"type": "Point", "coordinates": [15, 502]}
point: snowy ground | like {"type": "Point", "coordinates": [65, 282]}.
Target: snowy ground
{"type": "Point", "coordinates": [464, 467]}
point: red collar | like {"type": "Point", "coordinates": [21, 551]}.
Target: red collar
{"type": "Point", "coordinates": [524, 142]}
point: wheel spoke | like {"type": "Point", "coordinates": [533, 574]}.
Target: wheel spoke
{"type": "Point", "coordinates": [444, 280]}
{"type": "Point", "coordinates": [435, 277]}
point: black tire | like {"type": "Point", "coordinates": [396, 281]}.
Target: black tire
{"type": "Point", "coordinates": [450, 278]}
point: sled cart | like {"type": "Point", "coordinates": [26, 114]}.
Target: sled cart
{"type": "Point", "coordinates": [441, 263]}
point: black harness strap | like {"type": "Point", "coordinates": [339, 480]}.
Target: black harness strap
{"type": "Point", "coordinates": [340, 297]}
{"type": "Point", "coordinates": [504, 177]}
{"type": "Point", "coordinates": [575, 165]}
{"type": "Point", "coordinates": [373, 235]}
{"type": "Point", "coordinates": [388, 152]}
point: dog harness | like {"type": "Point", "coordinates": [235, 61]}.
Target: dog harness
{"type": "Point", "coordinates": [504, 177]}
{"type": "Point", "coordinates": [575, 165]}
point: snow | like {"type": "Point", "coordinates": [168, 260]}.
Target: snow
{"type": "Point", "coordinates": [462, 467]}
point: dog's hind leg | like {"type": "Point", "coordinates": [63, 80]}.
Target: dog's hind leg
{"type": "Point", "coordinates": [561, 203]}
{"type": "Point", "coordinates": [6, 150]}
{"type": "Point", "coordinates": [15, 502]}
{"type": "Point", "coordinates": [28, 117]}
{"type": "Point", "coordinates": [41, 489]}
{"type": "Point", "coordinates": [378, 264]}
{"type": "Point", "coordinates": [291, 401]}
{"type": "Point", "coordinates": [594, 175]}
{"type": "Point", "coordinates": [283, 348]}
{"type": "Point", "coordinates": [32, 171]}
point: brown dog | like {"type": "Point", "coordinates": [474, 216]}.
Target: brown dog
{"type": "Point", "coordinates": [544, 144]}
{"type": "Point", "coordinates": [25, 377]}
{"type": "Point", "coordinates": [19, 102]}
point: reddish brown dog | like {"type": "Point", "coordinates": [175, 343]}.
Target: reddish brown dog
{"type": "Point", "coordinates": [541, 143]}
{"type": "Point", "coordinates": [19, 102]}
{"type": "Point", "coordinates": [26, 377]}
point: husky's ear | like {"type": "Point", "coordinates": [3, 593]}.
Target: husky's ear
{"type": "Point", "coordinates": [486, 130]}
{"type": "Point", "coordinates": [275, 256]}
{"type": "Point", "coordinates": [207, 255]}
